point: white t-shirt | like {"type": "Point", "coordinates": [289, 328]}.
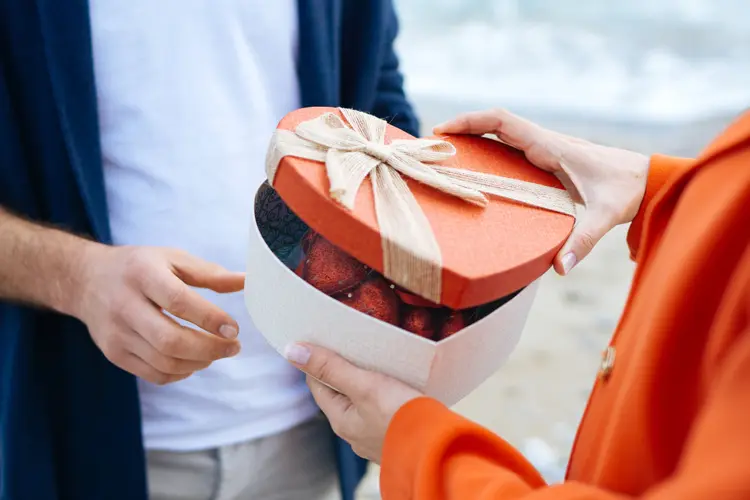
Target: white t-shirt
{"type": "Point", "coordinates": [189, 93]}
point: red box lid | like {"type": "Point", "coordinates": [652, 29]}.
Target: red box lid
{"type": "Point", "coordinates": [488, 252]}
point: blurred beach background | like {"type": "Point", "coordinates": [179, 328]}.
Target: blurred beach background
{"type": "Point", "coordinates": [649, 75]}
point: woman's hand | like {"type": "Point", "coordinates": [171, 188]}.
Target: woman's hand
{"type": "Point", "coordinates": [609, 182]}
{"type": "Point", "coordinates": [364, 402]}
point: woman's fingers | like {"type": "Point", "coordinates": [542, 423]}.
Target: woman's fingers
{"type": "Point", "coordinates": [512, 129]}
{"type": "Point", "coordinates": [541, 146]}
{"type": "Point", "coordinates": [475, 123]}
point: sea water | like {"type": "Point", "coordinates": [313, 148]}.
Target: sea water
{"type": "Point", "coordinates": [636, 60]}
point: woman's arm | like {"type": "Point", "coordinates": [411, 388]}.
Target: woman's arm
{"type": "Point", "coordinates": [430, 450]}
{"type": "Point", "coordinates": [427, 452]}
{"type": "Point", "coordinates": [431, 453]}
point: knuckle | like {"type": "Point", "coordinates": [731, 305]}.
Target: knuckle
{"type": "Point", "coordinates": [586, 241]}
{"type": "Point", "coordinates": [324, 370]}
{"type": "Point", "coordinates": [119, 303]}
{"type": "Point", "coordinates": [218, 352]}
{"type": "Point", "coordinates": [216, 347]}
{"type": "Point", "coordinates": [178, 253]}
{"type": "Point", "coordinates": [160, 378]}
{"type": "Point", "coordinates": [499, 115]}
{"type": "Point", "coordinates": [339, 427]}
{"type": "Point", "coordinates": [177, 378]}
{"type": "Point", "coordinates": [211, 321]}
{"type": "Point", "coordinates": [613, 211]}
{"type": "Point", "coordinates": [112, 349]}
{"type": "Point", "coordinates": [166, 341]}
{"type": "Point", "coordinates": [348, 428]}
{"type": "Point", "coordinates": [176, 300]}
{"type": "Point", "coordinates": [201, 366]}
{"type": "Point", "coordinates": [498, 112]}
{"type": "Point", "coordinates": [123, 306]}
{"type": "Point", "coordinates": [138, 264]}
{"type": "Point", "coordinates": [171, 365]}
{"type": "Point", "coordinates": [372, 393]}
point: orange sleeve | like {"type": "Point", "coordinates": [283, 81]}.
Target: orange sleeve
{"type": "Point", "coordinates": [431, 453]}
{"type": "Point", "coordinates": [661, 169]}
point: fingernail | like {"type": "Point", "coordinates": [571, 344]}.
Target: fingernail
{"type": "Point", "coordinates": [297, 354]}
{"type": "Point", "coordinates": [439, 127]}
{"type": "Point", "coordinates": [233, 350]}
{"type": "Point", "coordinates": [568, 262]}
{"type": "Point", "coordinates": [228, 331]}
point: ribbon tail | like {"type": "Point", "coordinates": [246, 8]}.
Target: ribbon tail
{"type": "Point", "coordinates": [411, 254]}
{"type": "Point", "coordinates": [431, 176]}
{"type": "Point", "coordinates": [528, 193]}
{"type": "Point", "coordinates": [425, 150]}
{"type": "Point", "coordinates": [346, 172]}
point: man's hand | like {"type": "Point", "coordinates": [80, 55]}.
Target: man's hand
{"type": "Point", "coordinates": [609, 182]}
{"type": "Point", "coordinates": [363, 403]}
{"type": "Point", "coordinates": [123, 292]}
{"type": "Point", "coordinates": [120, 293]}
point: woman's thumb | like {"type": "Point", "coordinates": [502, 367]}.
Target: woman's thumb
{"type": "Point", "coordinates": [589, 229]}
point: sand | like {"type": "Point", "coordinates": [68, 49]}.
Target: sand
{"type": "Point", "coordinates": [536, 399]}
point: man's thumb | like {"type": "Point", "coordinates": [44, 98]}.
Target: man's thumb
{"type": "Point", "coordinates": [589, 229]}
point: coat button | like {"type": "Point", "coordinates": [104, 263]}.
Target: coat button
{"type": "Point", "coordinates": [608, 362]}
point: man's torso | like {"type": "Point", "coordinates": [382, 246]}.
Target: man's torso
{"type": "Point", "coordinates": [188, 95]}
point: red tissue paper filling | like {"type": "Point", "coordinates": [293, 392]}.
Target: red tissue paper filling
{"type": "Point", "coordinates": [344, 278]}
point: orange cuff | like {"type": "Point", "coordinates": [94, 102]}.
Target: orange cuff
{"type": "Point", "coordinates": [429, 449]}
{"type": "Point", "coordinates": [661, 170]}
{"type": "Point", "coordinates": [406, 443]}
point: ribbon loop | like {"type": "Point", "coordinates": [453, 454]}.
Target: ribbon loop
{"type": "Point", "coordinates": [411, 254]}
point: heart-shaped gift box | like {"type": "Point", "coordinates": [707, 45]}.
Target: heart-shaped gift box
{"type": "Point", "coordinates": [462, 222]}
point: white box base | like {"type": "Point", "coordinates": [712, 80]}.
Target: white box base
{"type": "Point", "coordinates": [286, 309]}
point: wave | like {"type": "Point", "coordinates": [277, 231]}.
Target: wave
{"type": "Point", "coordinates": [603, 61]}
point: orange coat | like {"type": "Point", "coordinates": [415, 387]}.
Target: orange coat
{"type": "Point", "coordinates": [672, 419]}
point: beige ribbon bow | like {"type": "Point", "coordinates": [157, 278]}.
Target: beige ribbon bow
{"type": "Point", "coordinates": [411, 254]}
